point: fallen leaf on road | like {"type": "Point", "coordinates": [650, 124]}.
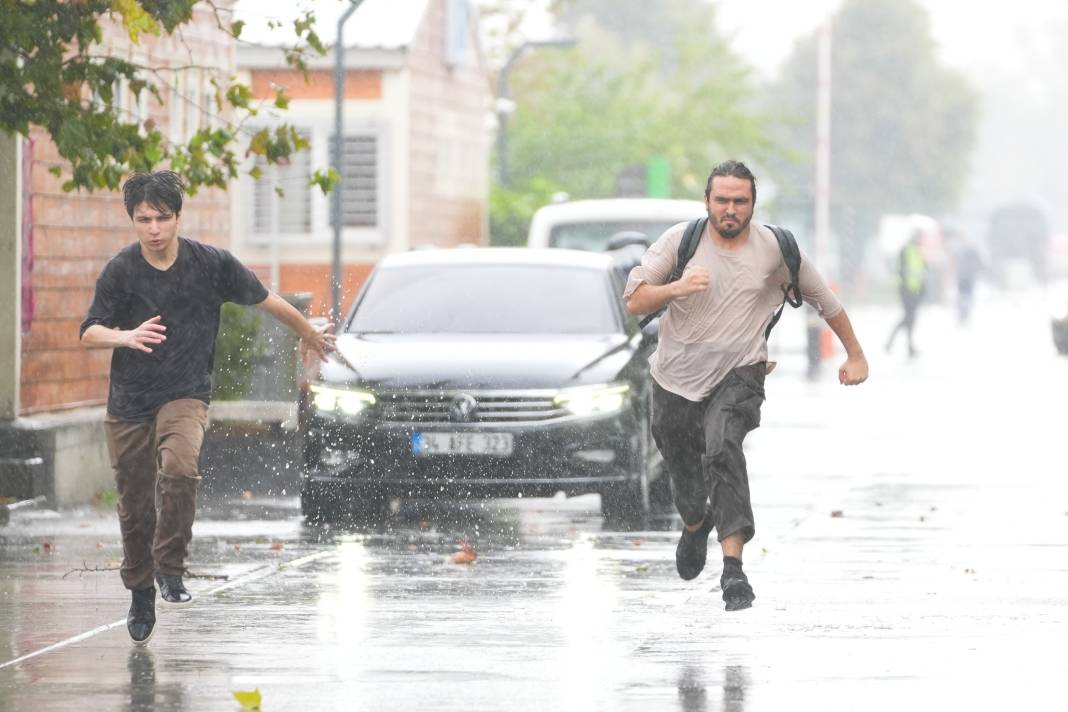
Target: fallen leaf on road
{"type": "Point", "coordinates": [641, 568]}
{"type": "Point", "coordinates": [246, 494]}
{"type": "Point", "coordinates": [465, 555]}
{"type": "Point", "coordinates": [249, 700]}
{"type": "Point", "coordinates": [277, 546]}
{"type": "Point", "coordinates": [48, 548]}
{"type": "Point", "coordinates": [837, 514]}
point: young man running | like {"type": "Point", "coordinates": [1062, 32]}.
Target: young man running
{"type": "Point", "coordinates": [157, 306]}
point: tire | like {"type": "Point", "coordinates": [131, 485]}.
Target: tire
{"type": "Point", "coordinates": [322, 505]}
{"type": "Point", "coordinates": [317, 508]}
{"type": "Point", "coordinates": [623, 505]}
{"type": "Point", "coordinates": [660, 494]}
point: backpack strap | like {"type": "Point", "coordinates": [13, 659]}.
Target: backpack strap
{"type": "Point", "coordinates": [791, 254]}
{"type": "Point", "coordinates": [687, 247]}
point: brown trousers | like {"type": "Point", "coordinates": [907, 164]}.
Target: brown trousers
{"type": "Point", "coordinates": [156, 475]}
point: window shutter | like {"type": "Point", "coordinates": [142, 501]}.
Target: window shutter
{"type": "Point", "coordinates": [358, 190]}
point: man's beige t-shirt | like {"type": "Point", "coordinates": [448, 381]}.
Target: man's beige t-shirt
{"type": "Point", "coordinates": [704, 335]}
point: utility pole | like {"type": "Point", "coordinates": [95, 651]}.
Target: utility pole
{"type": "Point", "coordinates": [335, 201]}
{"type": "Point", "coordinates": [816, 329]}
{"type": "Point", "coordinates": [10, 274]}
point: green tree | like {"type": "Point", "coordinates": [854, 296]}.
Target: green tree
{"type": "Point", "coordinates": [903, 125]}
{"type": "Point", "coordinates": [621, 97]}
{"type": "Point", "coordinates": [56, 73]}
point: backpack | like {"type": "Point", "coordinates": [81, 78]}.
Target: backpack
{"type": "Point", "coordinates": [791, 254]}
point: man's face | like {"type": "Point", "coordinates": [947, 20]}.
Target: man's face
{"type": "Point", "coordinates": [730, 205]}
{"type": "Point", "coordinates": [156, 228]}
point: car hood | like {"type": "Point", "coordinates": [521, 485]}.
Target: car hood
{"type": "Point", "coordinates": [389, 361]}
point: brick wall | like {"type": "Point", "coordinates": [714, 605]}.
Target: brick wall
{"type": "Point", "coordinates": [359, 84]}
{"type": "Point", "coordinates": [76, 233]}
{"type": "Point", "coordinates": [450, 143]}
{"type": "Point", "coordinates": [315, 278]}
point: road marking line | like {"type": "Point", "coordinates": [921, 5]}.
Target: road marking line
{"type": "Point", "coordinates": [254, 575]}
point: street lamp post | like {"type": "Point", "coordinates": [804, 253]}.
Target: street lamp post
{"type": "Point", "coordinates": [335, 201]}
{"type": "Point", "coordinates": [505, 105]}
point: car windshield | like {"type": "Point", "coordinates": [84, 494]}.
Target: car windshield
{"type": "Point", "coordinates": [593, 236]}
{"type": "Point", "coordinates": [487, 299]}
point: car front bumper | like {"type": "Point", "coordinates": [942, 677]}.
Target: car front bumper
{"type": "Point", "coordinates": [574, 455]}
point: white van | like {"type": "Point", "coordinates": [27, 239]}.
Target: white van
{"type": "Point", "coordinates": [590, 224]}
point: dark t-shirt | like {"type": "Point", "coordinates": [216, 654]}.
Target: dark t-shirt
{"type": "Point", "coordinates": [188, 295]}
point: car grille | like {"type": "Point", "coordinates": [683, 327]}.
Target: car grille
{"type": "Point", "coordinates": [491, 407]}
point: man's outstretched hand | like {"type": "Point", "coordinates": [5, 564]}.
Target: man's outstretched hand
{"type": "Point", "coordinates": [320, 342]}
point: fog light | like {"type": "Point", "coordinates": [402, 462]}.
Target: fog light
{"type": "Point", "coordinates": [601, 457]}
{"type": "Point", "coordinates": [336, 458]}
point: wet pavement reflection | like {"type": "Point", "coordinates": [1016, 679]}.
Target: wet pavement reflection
{"type": "Point", "coordinates": [885, 580]}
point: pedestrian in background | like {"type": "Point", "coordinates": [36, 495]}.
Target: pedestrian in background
{"type": "Point", "coordinates": [156, 305]}
{"type": "Point", "coordinates": [967, 267]}
{"type": "Point", "coordinates": [911, 281]}
{"type": "Point", "coordinates": [711, 360]}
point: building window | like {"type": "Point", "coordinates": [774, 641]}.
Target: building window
{"type": "Point", "coordinates": [358, 191]}
{"type": "Point", "coordinates": [456, 29]}
{"type": "Point", "coordinates": [176, 112]}
{"type": "Point", "coordinates": [290, 212]}
{"type": "Point", "coordinates": [193, 100]}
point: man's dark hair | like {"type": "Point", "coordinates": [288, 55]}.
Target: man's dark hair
{"type": "Point", "coordinates": [733, 169]}
{"type": "Point", "coordinates": [160, 189]}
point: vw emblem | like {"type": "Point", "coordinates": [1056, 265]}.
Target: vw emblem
{"type": "Point", "coordinates": [462, 409]}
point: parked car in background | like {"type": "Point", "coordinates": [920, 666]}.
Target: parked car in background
{"type": "Point", "coordinates": [482, 373]}
{"type": "Point", "coordinates": [591, 224]}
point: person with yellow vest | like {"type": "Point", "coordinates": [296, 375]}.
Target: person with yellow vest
{"type": "Point", "coordinates": [911, 277]}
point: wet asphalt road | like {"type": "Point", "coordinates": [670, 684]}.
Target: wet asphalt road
{"type": "Point", "coordinates": [911, 553]}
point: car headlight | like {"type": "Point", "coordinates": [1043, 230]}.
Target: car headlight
{"type": "Point", "coordinates": [590, 400]}
{"type": "Point", "coordinates": [341, 400]}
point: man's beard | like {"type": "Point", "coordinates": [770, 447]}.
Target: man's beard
{"type": "Point", "coordinates": [731, 232]}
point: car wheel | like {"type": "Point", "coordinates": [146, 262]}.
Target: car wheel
{"type": "Point", "coordinates": [627, 503]}
{"type": "Point", "coordinates": [317, 506]}
{"type": "Point", "coordinates": [623, 505]}
{"type": "Point", "coordinates": [660, 494]}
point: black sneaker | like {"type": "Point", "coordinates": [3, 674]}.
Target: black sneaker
{"type": "Point", "coordinates": [692, 550]}
{"type": "Point", "coordinates": [172, 593]}
{"type": "Point", "coordinates": [141, 620]}
{"type": "Point", "coordinates": [737, 593]}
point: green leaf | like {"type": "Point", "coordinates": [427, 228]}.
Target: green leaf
{"type": "Point", "coordinates": [239, 95]}
{"type": "Point", "coordinates": [281, 101]}
{"type": "Point", "coordinates": [255, 172]}
{"type": "Point", "coordinates": [249, 700]}
{"type": "Point", "coordinates": [326, 180]}
{"type": "Point", "coordinates": [135, 19]}
{"type": "Point", "coordinates": [236, 27]}
{"type": "Point", "coordinates": [260, 142]}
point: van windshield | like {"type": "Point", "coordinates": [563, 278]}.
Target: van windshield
{"type": "Point", "coordinates": [594, 236]}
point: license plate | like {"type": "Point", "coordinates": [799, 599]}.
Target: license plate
{"type": "Point", "coordinates": [494, 444]}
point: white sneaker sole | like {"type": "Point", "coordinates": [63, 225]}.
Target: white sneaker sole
{"type": "Point", "coordinates": [167, 605]}
{"type": "Point", "coordinates": [143, 643]}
